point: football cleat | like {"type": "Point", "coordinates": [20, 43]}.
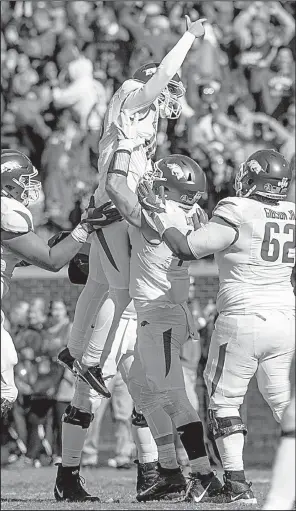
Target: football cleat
{"type": "Point", "coordinates": [165, 484]}
{"type": "Point", "coordinates": [93, 376]}
{"type": "Point", "coordinates": [203, 488]}
{"type": "Point", "coordinates": [69, 486]}
{"type": "Point", "coordinates": [66, 360]}
{"type": "Point", "coordinates": [147, 472]}
{"type": "Point", "coordinates": [237, 491]}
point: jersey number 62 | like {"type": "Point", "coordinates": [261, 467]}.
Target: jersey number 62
{"type": "Point", "coordinates": [278, 243]}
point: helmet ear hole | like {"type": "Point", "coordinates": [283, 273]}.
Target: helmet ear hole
{"type": "Point", "coordinates": [250, 181]}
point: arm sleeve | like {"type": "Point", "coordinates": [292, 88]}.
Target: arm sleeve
{"type": "Point", "coordinates": [211, 238]}
{"type": "Point", "coordinates": [170, 65]}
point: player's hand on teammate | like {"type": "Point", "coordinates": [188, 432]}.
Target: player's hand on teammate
{"type": "Point", "coordinates": [96, 218]}
{"type": "Point", "coordinates": [195, 27]}
{"type": "Point", "coordinates": [127, 131]}
{"type": "Point", "coordinates": [149, 200]}
{"type": "Point", "coordinates": [198, 217]}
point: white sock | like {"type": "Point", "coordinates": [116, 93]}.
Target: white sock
{"type": "Point", "coordinates": [87, 305]}
{"type": "Point", "coordinates": [105, 327]}
{"type": "Point", "coordinates": [282, 492]}
{"type": "Point", "coordinates": [231, 451]}
{"type": "Point", "coordinates": [146, 447]}
{"type": "Point", "coordinates": [72, 444]}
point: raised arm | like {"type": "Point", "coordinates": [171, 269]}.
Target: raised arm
{"type": "Point", "coordinates": [168, 67]}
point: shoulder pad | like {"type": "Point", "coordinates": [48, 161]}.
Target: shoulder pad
{"type": "Point", "coordinates": [230, 210]}
{"type": "Point", "coordinates": [129, 86]}
{"type": "Point", "coordinates": [15, 217]}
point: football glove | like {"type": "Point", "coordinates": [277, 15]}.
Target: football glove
{"type": "Point", "coordinates": [96, 218]}
{"type": "Point", "coordinates": [148, 200]}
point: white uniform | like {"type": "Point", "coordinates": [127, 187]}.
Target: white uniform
{"type": "Point", "coordinates": [159, 286]}
{"type": "Point", "coordinates": [14, 218]}
{"type": "Point", "coordinates": [255, 330]}
{"type": "Point", "coordinates": [112, 241]}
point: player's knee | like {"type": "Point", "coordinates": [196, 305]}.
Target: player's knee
{"type": "Point", "coordinates": [177, 405]}
{"type": "Point", "coordinates": [222, 427]}
{"type": "Point", "coordinates": [77, 417]}
{"type": "Point", "coordinates": [84, 398]}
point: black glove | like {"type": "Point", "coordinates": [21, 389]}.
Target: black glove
{"type": "Point", "coordinates": [102, 216]}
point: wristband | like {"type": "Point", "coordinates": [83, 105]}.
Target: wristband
{"type": "Point", "coordinates": [79, 234]}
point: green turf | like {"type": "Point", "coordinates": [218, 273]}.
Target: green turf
{"type": "Point", "coordinates": [32, 489]}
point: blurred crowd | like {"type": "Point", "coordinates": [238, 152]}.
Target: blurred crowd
{"type": "Point", "coordinates": [31, 435]}
{"type": "Point", "coordinates": [62, 62]}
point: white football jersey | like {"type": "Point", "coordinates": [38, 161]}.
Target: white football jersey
{"type": "Point", "coordinates": [147, 128]}
{"type": "Point", "coordinates": [157, 277]}
{"type": "Point", "coordinates": [15, 217]}
{"type": "Point", "coordinates": [255, 271]}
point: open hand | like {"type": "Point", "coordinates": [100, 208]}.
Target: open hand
{"type": "Point", "coordinates": [149, 200]}
{"type": "Point", "coordinates": [96, 218]}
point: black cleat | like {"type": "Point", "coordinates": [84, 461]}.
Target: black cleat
{"type": "Point", "coordinates": [167, 482]}
{"type": "Point", "coordinates": [147, 473]}
{"type": "Point", "coordinates": [65, 359]}
{"type": "Point", "coordinates": [206, 488]}
{"type": "Point", "coordinates": [93, 376]}
{"type": "Point", "coordinates": [237, 491]}
{"type": "Point", "coordinates": [69, 487]}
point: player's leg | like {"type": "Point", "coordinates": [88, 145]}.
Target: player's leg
{"type": "Point", "coordinates": [153, 482]}
{"type": "Point", "coordinates": [8, 361]}
{"type": "Point", "coordinates": [89, 301]}
{"type": "Point", "coordinates": [76, 421]}
{"type": "Point", "coordinates": [112, 244]}
{"type": "Point", "coordinates": [161, 334]}
{"type": "Point", "coordinates": [282, 492]}
{"type": "Point", "coordinates": [147, 454]}
{"type": "Point", "coordinates": [276, 348]}
{"type": "Point", "coordinates": [230, 366]}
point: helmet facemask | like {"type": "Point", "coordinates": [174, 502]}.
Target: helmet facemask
{"type": "Point", "coordinates": [169, 104]}
{"type": "Point", "coordinates": [31, 187]}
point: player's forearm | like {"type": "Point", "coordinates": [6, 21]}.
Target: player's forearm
{"type": "Point", "coordinates": [178, 244]}
{"type": "Point", "coordinates": [168, 67]}
{"type": "Point", "coordinates": [29, 247]}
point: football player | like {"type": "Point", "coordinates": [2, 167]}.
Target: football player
{"type": "Point", "coordinates": [253, 239]}
{"type": "Point", "coordinates": [154, 90]}
{"type": "Point", "coordinates": [19, 242]}
{"type": "Point", "coordinates": [159, 286]}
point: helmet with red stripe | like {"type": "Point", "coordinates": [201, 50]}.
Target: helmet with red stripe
{"type": "Point", "coordinates": [17, 173]}
{"type": "Point", "coordinates": [183, 179]}
{"type": "Point", "coordinates": [169, 99]}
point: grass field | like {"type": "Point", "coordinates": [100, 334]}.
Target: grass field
{"type": "Point", "coordinates": [32, 489]}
